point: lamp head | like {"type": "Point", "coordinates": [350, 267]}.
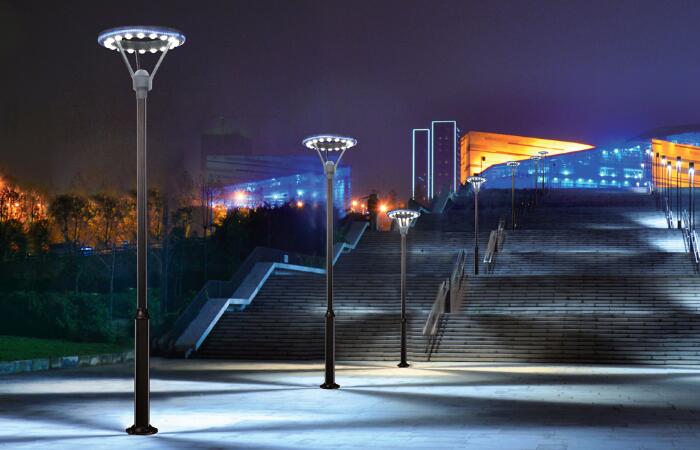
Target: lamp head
{"type": "Point", "coordinates": [141, 39]}
{"type": "Point", "coordinates": [543, 153]}
{"type": "Point", "coordinates": [512, 164]}
{"type": "Point", "coordinates": [404, 218]}
{"type": "Point", "coordinates": [691, 168]}
{"type": "Point", "coordinates": [476, 182]}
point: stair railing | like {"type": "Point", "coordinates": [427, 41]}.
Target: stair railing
{"type": "Point", "coordinates": [667, 212]}
{"type": "Point", "coordinates": [691, 239]}
{"type": "Point", "coordinates": [457, 282]}
{"type": "Point", "coordinates": [495, 244]}
{"type": "Point", "coordinates": [432, 325]}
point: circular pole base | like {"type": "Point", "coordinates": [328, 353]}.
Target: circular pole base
{"type": "Point", "coordinates": [142, 431]}
{"type": "Point", "coordinates": [403, 364]}
{"type": "Point", "coordinates": [330, 386]}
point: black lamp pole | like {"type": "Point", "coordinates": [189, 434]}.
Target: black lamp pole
{"type": "Point", "coordinates": [678, 191]}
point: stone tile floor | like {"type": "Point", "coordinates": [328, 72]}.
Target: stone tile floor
{"type": "Point", "coordinates": [220, 404]}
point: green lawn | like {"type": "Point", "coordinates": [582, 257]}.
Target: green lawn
{"type": "Point", "coordinates": [14, 347]}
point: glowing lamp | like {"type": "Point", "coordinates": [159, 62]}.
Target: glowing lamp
{"type": "Point", "coordinates": [141, 39]}
{"type": "Point", "coordinates": [404, 218]}
{"type": "Point", "coordinates": [476, 182]}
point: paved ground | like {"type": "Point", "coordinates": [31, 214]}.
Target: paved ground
{"type": "Point", "coordinates": [201, 404]}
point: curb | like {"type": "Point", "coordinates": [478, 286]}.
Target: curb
{"type": "Point", "coordinates": [64, 362]}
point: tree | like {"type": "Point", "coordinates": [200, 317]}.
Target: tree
{"type": "Point", "coordinates": [71, 212]}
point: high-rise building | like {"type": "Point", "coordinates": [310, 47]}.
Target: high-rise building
{"type": "Point", "coordinates": [435, 160]}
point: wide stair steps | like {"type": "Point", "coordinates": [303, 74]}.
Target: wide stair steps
{"type": "Point", "coordinates": [589, 278]}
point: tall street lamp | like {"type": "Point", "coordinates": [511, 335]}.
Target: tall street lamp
{"type": "Point", "coordinates": [662, 177]}
{"type": "Point", "coordinates": [669, 194]}
{"type": "Point", "coordinates": [543, 154]}
{"type": "Point", "coordinates": [535, 161]}
{"type": "Point", "coordinates": [678, 190]}
{"type": "Point", "coordinates": [691, 206]}
{"type": "Point", "coordinates": [476, 182]}
{"type": "Point", "coordinates": [139, 40]}
{"type": "Point", "coordinates": [513, 166]}
{"type": "Point", "coordinates": [326, 146]}
{"type": "Point", "coordinates": [404, 218]}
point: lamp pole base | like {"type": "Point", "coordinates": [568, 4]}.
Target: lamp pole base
{"type": "Point", "coordinates": [403, 364]}
{"type": "Point", "coordinates": [330, 386]}
{"type": "Point", "coordinates": [142, 431]}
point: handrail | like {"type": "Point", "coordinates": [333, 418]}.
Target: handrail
{"type": "Point", "coordinates": [431, 325]}
{"type": "Point", "coordinates": [668, 213]}
{"type": "Point", "coordinates": [691, 239]}
{"type": "Point", "coordinates": [456, 282]}
{"type": "Point", "coordinates": [495, 244]}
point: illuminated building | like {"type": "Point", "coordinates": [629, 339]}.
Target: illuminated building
{"type": "Point", "coordinates": [479, 150]}
{"type": "Point", "coordinates": [234, 169]}
{"type": "Point", "coordinates": [434, 159]}
{"type": "Point", "coordinates": [628, 165]}
{"type": "Point", "coordinates": [301, 189]}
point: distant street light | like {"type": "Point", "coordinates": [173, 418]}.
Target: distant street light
{"type": "Point", "coordinates": [543, 154]}
{"type": "Point", "coordinates": [513, 166]}
{"type": "Point", "coordinates": [138, 40]}
{"type": "Point", "coordinates": [691, 206]}
{"type": "Point", "coordinates": [535, 161]}
{"type": "Point", "coordinates": [678, 190]}
{"type": "Point", "coordinates": [669, 195]}
{"type": "Point", "coordinates": [476, 182]}
{"type": "Point", "coordinates": [326, 146]}
{"type": "Point", "coordinates": [404, 218]}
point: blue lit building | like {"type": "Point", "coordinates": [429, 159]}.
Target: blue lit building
{"type": "Point", "coordinates": [617, 166]}
{"type": "Point", "coordinates": [304, 189]}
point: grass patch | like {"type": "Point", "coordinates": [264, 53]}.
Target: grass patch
{"type": "Point", "coordinates": [14, 348]}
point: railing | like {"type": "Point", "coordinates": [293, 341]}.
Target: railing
{"type": "Point", "coordinates": [495, 244]}
{"type": "Point", "coordinates": [432, 325]}
{"type": "Point", "coordinates": [456, 283]}
{"type": "Point", "coordinates": [691, 239]}
{"type": "Point", "coordinates": [667, 212]}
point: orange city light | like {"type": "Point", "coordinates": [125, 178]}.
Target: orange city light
{"type": "Point", "coordinates": [240, 197]}
{"type": "Point", "coordinates": [383, 207]}
{"type": "Point", "coordinates": [354, 203]}
{"type": "Point", "coordinates": [300, 204]}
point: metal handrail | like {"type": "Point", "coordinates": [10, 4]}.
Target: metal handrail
{"type": "Point", "coordinates": [456, 282]}
{"type": "Point", "coordinates": [431, 325]}
{"type": "Point", "coordinates": [691, 239]}
{"type": "Point", "coordinates": [495, 244]}
{"type": "Point", "coordinates": [667, 212]}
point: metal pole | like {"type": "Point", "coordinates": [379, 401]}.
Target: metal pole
{"type": "Point", "coordinates": [691, 200]}
{"type": "Point", "coordinates": [537, 168]}
{"type": "Point", "coordinates": [543, 172]}
{"type": "Point", "coordinates": [476, 231]}
{"type": "Point", "coordinates": [329, 169]}
{"type": "Point", "coordinates": [678, 191]}
{"type": "Point", "coordinates": [403, 362]}
{"type": "Point", "coordinates": [512, 197]}
{"type": "Point", "coordinates": [142, 84]}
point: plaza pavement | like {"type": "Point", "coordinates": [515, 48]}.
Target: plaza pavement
{"type": "Point", "coordinates": [222, 404]}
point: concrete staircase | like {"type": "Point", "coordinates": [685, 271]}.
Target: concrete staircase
{"type": "Point", "coordinates": [589, 277]}
{"type": "Point", "coordinates": [593, 284]}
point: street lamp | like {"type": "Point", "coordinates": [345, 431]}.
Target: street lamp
{"type": "Point", "coordinates": [535, 163]}
{"type": "Point", "coordinates": [662, 176]}
{"type": "Point", "coordinates": [476, 182]}
{"type": "Point", "coordinates": [543, 154]}
{"type": "Point", "coordinates": [139, 40]}
{"type": "Point", "coordinates": [326, 146]}
{"type": "Point", "coordinates": [404, 218]}
{"type": "Point", "coordinates": [678, 190]}
{"type": "Point", "coordinates": [669, 195]}
{"type": "Point", "coordinates": [691, 202]}
{"type": "Point", "coordinates": [513, 166]}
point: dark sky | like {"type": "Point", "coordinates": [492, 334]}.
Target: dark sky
{"type": "Point", "coordinates": [592, 71]}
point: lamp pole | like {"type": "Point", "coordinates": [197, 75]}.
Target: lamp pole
{"type": "Point", "coordinates": [691, 200]}
{"type": "Point", "coordinates": [138, 40]}
{"type": "Point", "coordinates": [476, 182]}
{"type": "Point", "coordinates": [326, 146]}
{"type": "Point", "coordinates": [404, 218]}
{"type": "Point", "coordinates": [669, 194]}
{"type": "Point", "coordinates": [535, 162]}
{"type": "Point", "coordinates": [513, 166]}
{"type": "Point", "coordinates": [678, 190]}
{"type": "Point", "coordinates": [543, 154]}
{"type": "Point", "coordinates": [662, 178]}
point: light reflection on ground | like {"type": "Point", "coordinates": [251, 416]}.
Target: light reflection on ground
{"type": "Point", "coordinates": [205, 404]}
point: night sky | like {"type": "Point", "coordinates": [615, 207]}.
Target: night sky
{"type": "Point", "coordinates": [590, 71]}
